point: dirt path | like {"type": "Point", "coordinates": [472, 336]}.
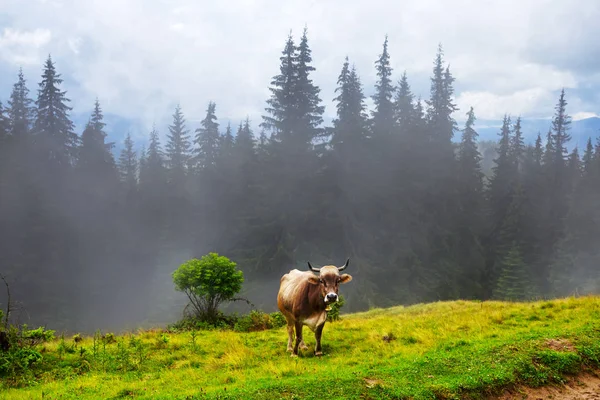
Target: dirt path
{"type": "Point", "coordinates": [585, 386]}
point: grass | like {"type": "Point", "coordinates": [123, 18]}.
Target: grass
{"type": "Point", "coordinates": [446, 350]}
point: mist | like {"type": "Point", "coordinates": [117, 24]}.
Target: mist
{"type": "Point", "coordinates": [89, 238]}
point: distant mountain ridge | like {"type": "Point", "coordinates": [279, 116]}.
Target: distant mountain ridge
{"type": "Point", "coordinates": [580, 130]}
{"type": "Point", "coordinates": [118, 126]}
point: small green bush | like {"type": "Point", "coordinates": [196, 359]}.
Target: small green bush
{"type": "Point", "coordinates": [277, 319]}
{"type": "Point", "coordinates": [258, 320]}
{"type": "Point", "coordinates": [192, 323]}
{"type": "Point", "coordinates": [334, 313]}
{"type": "Point", "coordinates": [208, 282]}
{"type": "Point", "coordinates": [162, 341]}
{"type": "Point", "coordinates": [23, 352]}
{"type": "Point", "coordinates": [109, 338]}
{"type": "Point", "coordinates": [255, 321]}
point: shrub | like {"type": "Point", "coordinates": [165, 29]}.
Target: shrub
{"type": "Point", "coordinates": [277, 319]}
{"type": "Point", "coordinates": [255, 321]}
{"type": "Point", "coordinates": [207, 283]}
{"type": "Point", "coordinates": [259, 321]}
{"type": "Point", "coordinates": [109, 338]}
{"type": "Point", "coordinates": [334, 313]}
{"type": "Point", "coordinates": [22, 351]}
{"type": "Point", "coordinates": [162, 341]}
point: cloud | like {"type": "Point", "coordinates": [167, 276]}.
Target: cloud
{"type": "Point", "coordinates": [490, 106]}
{"type": "Point", "coordinates": [23, 47]}
{"type": "Point", "coordinates": [142, 57]}
{"type": "Point", "coordinates": [583, 115]}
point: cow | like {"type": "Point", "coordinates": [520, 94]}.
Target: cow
{"type": "Point", "coordinates": [304, 299]}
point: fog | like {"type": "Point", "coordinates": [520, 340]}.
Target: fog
{"type": "Point", "coordinates": [89, 239]}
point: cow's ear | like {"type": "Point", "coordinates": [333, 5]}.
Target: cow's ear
{"type": "Point", "coordinates": [313, 279]}
{"type": "Point", "coordinates": [345, 278]}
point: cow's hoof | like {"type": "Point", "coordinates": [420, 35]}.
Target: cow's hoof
{"type": "Point", "coordinates": [318, 353]}
{"type": "Point", "coordinates": [290, 349]}
{"type": "Point", "coordinates": [293, 355]}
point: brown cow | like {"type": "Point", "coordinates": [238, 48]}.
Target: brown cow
{"type": "Point", "coordinates": [304, 298]}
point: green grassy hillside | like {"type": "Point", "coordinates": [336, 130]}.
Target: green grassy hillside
{"type": "Point", "coordinates": [443, 350]}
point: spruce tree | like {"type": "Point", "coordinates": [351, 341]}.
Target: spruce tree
{"type": "Point", "coordinates": [154, 193]}
{"type": "Point", "coordinates": [349, 127]}
{"type": "Point", "coordinates": [95, 156]}
{"type": "Point", "coordinates": [263, 140]}
{"type": "Point", "coordinates": [502, 179]}
{"type": "Point", "coordinates": [207, 141]}
{"type": "Point", "coordinates": [155, 162]}
{"type": "Point", "coordinates": [97, 207]}
{"type": "Point", "coordinates": [469, 159]}
{"type": "Point", "coordinates": [588, 158]}
{"type": "Point", "coordinates": [48, 174]}
{"type": "Point", "coordinates": [309, 108]}
{"type": "Point", "coordinates": [153, 172]}
{"type": "Point", "coordinates": [572, 270]}
{"type": "Point", "coordinates": [226, 143]}
{"type": "Point", "coordinates": [500, 195]}
{"type": "Point", "coordinates": [574, 170]}
{"type": "Point", "coordinates": [560, 129]}
{"type": "Point", "coordinates": [245, 174]}
{"type": "Point", "coordinates": [294, 112]}
{"type": "Point", "coordinates": [178, 149]}
{"type": "Point", "coordinates": [20, 197]}
{"type": "Point", "coordinates": [440, 105]}
{"type": "Point", "coordinates": [440, 181]}
{"type": "Point", "coordinates": [539, 151]}
{"type": "Point", "coordinates": [513, 283]}
{"type": "Point", "coordinates": [128, 165]}
{"type": "Point", "coordinates": [142, 163]}
{"type": "Point", "coordinates": [281, 118]}
{"type": "Point", "coordinates": [404, 107]}
{"type": "Point", "coordinates": [557, 189]}
{"type": "Point", "coordinates": [53, 128]}
{"type": "Point", "coordinates": [549, 154]}
{"type": "Point", "coordinates": [508, 246]}
{"type": "Point", "coordinates": [517, 147]}
{"type": "Point", "coordinates": [21, 112]}
{"type": "Point", "coordinates": [470, 216]}
{"type": "Point", "coordinates": [533, 214]}
{"type": "Point", "coordinates": [244, 145]}
{"type": "Point", "coordinates": [383, 114]}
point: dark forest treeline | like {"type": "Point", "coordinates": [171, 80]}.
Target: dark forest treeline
{"type": "Point", "coordinates": [83, 235]}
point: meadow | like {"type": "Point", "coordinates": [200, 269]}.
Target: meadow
{"type": "Point", "coordinates": [447, 350]}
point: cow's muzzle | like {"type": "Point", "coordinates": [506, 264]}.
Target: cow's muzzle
{"type": "Point", "coordinates": [331, 298]}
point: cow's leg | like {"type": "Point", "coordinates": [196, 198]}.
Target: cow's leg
{"type": "Point", "coordinates": [318, 333]}
{"type": "Point", "coordinates": [303, 345]}
{"type": "Point", "coordinates": [299, 326]}
{"type": "Point", "coordinates": [290, 329]}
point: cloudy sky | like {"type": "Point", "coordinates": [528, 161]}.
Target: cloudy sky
{"type": "Point", "coordinates": [141, 57]}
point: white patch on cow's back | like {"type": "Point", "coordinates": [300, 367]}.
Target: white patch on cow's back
{"type": "Point", "coordinates": [291, 283]}
{"type": "Point", "coordinates": [315, 320]}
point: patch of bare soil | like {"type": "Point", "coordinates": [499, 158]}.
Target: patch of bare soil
{"type": "Point", "coordinates": [560, 345]}
{"type": "Point", "coordinates": [585, 386]}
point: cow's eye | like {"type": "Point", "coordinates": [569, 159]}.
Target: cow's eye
{"type": "Point", "coordinates": [321, 281]}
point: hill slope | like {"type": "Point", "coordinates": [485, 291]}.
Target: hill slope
{"type": "Point", "coordinates": [442, 350]}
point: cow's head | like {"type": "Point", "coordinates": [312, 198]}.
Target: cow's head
{"type": "Point", "coordinates": [329, 279]}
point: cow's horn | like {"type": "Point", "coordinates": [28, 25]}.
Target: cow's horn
{"type": "Point", "coordinates": [344, 266]}
{"type": "Point", "coordinates": [313, 269]}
